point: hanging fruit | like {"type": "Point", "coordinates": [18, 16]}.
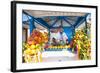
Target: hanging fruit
{"type": "Point", "coordinates": [82, 43]}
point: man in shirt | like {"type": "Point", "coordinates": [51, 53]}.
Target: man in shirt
{"type": "Point", "coordinates": [63, 37]}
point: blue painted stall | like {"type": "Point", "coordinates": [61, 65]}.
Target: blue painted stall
{"type": "Point", "coordinates": [69, 29]}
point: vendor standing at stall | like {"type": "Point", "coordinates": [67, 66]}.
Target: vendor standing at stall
{"type": "Point", "coordinates": [58, 37]}
{"type": "Point", "coordinates": [63, 37]}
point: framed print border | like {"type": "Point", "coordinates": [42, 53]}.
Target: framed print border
{"type": "Point", "coordinates": [14, 35]}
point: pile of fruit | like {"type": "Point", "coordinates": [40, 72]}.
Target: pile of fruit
{"type": "Point", "coordinates": [38, 37]}
{"type": "Point", "coordinates": [59, 47]}
{"type": "Point", "coordinates": [82, 44]}
{"type": "Point", "coordinates": [34, 46]}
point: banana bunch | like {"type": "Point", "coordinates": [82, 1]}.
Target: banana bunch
{"type": "Point", "coordinates": [32, 53]}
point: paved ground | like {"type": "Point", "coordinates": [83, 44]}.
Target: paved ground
{"type": "Point", "coordinates": [54, 56]}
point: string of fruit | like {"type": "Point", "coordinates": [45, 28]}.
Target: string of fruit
{"type": "Point", "coordinates": [82, 44]}
{"type": "Point", "coordinates": [34, 46]}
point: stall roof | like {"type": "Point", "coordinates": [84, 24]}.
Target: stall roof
{"type": "Point", "coordinates": [38, 13]}
{"type": "Point", "coordinates": [57, 18]}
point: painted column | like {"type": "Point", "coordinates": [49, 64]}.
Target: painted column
{"type": "Point", "coordinates": [31, 24]}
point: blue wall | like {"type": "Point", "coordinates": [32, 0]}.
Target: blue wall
{"type": "Point", "coordinates": [69, 32]}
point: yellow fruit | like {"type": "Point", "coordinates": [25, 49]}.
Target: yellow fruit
{"type": "Point", "coordinates": [28, 59]}
{"type": "Point", "coordinates": [36, 58]}
{"type": "Point", "coordinates": [55, 47]}
{"type": "Point", "coordinates": [32, 46]}
{"type": "Point", "coordinates": [40, 58]}
{"type": "Point", "coordinates": [68, 46]}
{"type": "Point", "coordinates": [27, 51]}
{"type": "Point", "coordinates": [60, 47]}
{"type": "Point", "coordinates": [52, 46]}
{"type": "Point", "coordinates": [63, 46]}
{"type": "Point", "coordinates": [33, 52]}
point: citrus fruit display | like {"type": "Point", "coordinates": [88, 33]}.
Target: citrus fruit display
{"type": "Point", "coordinates": [34, 46]}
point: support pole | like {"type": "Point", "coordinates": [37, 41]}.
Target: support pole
{"type": "Point", "coordinates": [85, 24]}
{"type": "Point", "coordinates": [31, 24]}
